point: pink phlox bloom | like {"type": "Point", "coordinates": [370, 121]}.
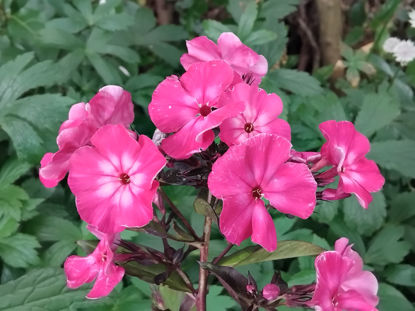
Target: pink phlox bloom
{"type": "Point", "coordinates": [113, 180]}
{"type": "Point", "coordinates": [259, 116]}
{"type": "Point", "coordinates": [111, 105]}
{"type": "Point", "coordinates": [342, 284]}
{"type": "Point", "coordinates": [246, 63]}
{"type": "Point", "coordinates": [257, 169]}
{"type": "Point", "coordinates": [98, 266]}
{"type": "Point", "coordinates": [270, 291]}
{"type": "Point", "coordinates": [305, 157]}
{"type": "Point", "coordinates": [346, 149]}
{"type": "Point", "coordinates": [190, 107]}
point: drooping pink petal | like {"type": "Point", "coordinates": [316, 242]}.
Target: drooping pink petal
{"type": "Point", "coordinates": [366, 173]}
{"type": "Point", "coordinates": [113, 180]}
{"type": "Point", "coordinates": [292, 190]}
{"type": "Point", "coordinates": [342, 284]}
{"type": "Point", "coordinates": [346, 145]}
{"type": "Point", "coordinates": [200, 49]}
{"type": "Point", "coordinates": [263, 229]}
{"type": "Point", "coordinates": [112, 105]}
{"type": "Point", "coordinates": [259, 116]}
{"type": "Point", "coordinates": [236, 217]}
{"type": "Point", "coordinates": [80, 270]}
{"type": "Point", "coordinates": [106, 281]}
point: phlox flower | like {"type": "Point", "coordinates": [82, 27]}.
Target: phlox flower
{"type": "Point", "coordinates": [113, 179]}
{"type": "Point", "coordinates": [257, 169]}
{"type": "Point", "coordinates": [246, 63]}
{"type": "Point", "coordinates": [111, 105]}
{"type": "Point", "coordinates": [345, 150]}
{"type": "Point", "coordinates": [342, 284]}
{"type": "Point", "coordinates": [270, 291]}
{"type": "Point", "coordinates": [260, 115]}
{"type": "Point", "coordinates": [190, 107]}
{"type": "Point", "coordinates": [98, 266]}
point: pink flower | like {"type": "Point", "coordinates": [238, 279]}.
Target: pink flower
{"type": "Point", "coordinates": [341, 282]}
{"type": "Point", "coordinates": [250, 171]}
{"type": "Point", "coordinates": [111, 105]}
{"type": "Point", "coordinates": [98, 266]}
{"type": "Point", "coordinates": [113, 180]}
{"type": "Point", "coordinates": [345, 149]}
{"type": "Point", "coordinates": [260, 115]}
{"type": "Point", "coordinates": [247, 64]}
{"type": "Point", "coordinates": [190, 107]}
{"type": "Point", "coordinates": [270, 291]}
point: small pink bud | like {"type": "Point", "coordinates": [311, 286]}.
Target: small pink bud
{"type": "Point", "coordinates": [250, 288]}
{"type": "Point", "coordinates": [270, 291]}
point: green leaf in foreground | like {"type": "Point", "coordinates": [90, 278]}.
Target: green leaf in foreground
{"type": "Point", "coordinates": [19, 250]}
{"type": "Point", "coordinates": [285, 249]}
{"type": "Point", "coordinates": [391, 299]}
{"type": "Point", "coordinates": [43, 289]}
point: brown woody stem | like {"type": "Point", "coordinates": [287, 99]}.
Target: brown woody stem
{"type": "Point", "coordinates": [203, 274]}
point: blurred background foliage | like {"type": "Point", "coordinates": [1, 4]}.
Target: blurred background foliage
{"type": "Point", "coordinates": [325, 62]}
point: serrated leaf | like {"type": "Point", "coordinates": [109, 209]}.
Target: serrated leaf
{"type": "Point", "coordinates": [391, 299]}
{"type": "Point", "coordinates": [56, 254]}
{"type": "Point", "coordinates": [11, 200]}
{"type": "Point", "coordinates": [12, 170]}
{"type": "Point", "coordinates": [278, 9]}
{"type": "Point", "coordinates": [285, 249]}
{"type": "Point", "coordinates": [59, 38]}
{"type": "Point", "coordinates": [365, 221]}
{"type": "Point", "coordinates": [42, 289]}
{"type": "Point", "coordinates": [378, 110]}
{"type": "Point", "coordinates": [167, 52]}
{"type": "Point", "coordinates": [297, 82]}
{"type": "Point", "coordinates": [260, 37]}
{"type": "Point", "coordinates": [51, 228]}
{"type": "Point", "coordinates": [163, 33]}
{"type": "Point", "coordinates": [387, 247]}
{"type": "Point", "coordinates": [398, 155]}
{"type": "Point", "coordinates": [213, 29]}
{"type": "Point", "coordinates": [401, 275]}
{"type": "Point", "coordinates": [402, 207]}
{"type": "Point", "coordinates": [8, 226]}
{"type": "Point", "coordinates": [19, 250]}
{"type": "Point", "coordinates": [105, 69]}
{"type": "Point", "coordinates": [115, 22]}
{"type": "Point", "coordinates": [126, 54]}
{"type": "Point", "coordinates": [247, 20]}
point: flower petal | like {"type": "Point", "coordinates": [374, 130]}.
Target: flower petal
{"type": "Point", "coordinates": [200, 49]}
{"type": "Point", "coordinates": [292, 190]}
{"type": "Point", "coordinates": [263, 228]}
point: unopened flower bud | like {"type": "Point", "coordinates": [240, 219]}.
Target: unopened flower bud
{"type": "Point", "coordinates": [250, 288]}
{"type": "Point", "coordinates": [270, 291]}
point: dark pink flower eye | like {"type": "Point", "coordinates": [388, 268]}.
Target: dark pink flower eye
{"type": "Point", "coordinates": [205, 110]}
{"type": "Point", "coordinates": [125, 179]}
{"type": "Point", "coordinates": [249, 127]}
{"type": "Point", "coordinates": [257, 192]}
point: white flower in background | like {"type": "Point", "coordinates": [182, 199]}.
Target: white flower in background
{"type": "Point", "coordinates": [390, 44]}
{"type": "Point", "coordinates": [404, 52]}
{"type": "Point", "coordinates": [412, 18]}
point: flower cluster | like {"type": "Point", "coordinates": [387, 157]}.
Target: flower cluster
{"type": "Point", "coordinates": [113, 171]}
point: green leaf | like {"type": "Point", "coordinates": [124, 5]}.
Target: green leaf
{"type": "Point", "coordinates": [8, 225]}
{"type": "Point", "coordinates": [213, 29]}
{"type": "Point", "coordinates": [278, 9]}
{"type": "Point", "coordinates": [216, 301]}
{"type": "Point", "coordinates": [365, 221]}
{"type": "Point", "coordinates": [386, 247]}
{"type": "Point", "coordinates": [115, 22]}
{"type": "Point", "coordinates": [397, 155]}
{"type": "Point", "coordinates": [391, 299]}
{"type": "Point", "coordinates": [12, 170]}
{"type": "Point", "coordinates": [297, 82]}
{"type": "Point", "coordinates": [285, 249]}
{"type": "Point", "coordinates": [11, 200]}
{"type": "Point", "coordinates": [247, 20]}
{"type": "Point", "coordinates": [167, 52]}
{"type": "Point", "coordinates": [260, 37]}
{"type": "Point", "coordinates": [51, 228]}
{"type": "Point", "coordinates": [402, 207]}
{"type": "Point", "coordinates": [378, 110]}
{"type": "Point", "coordinates": [56, 254]}
{"type": "Point", "coordinates": [61, 39]}
{"type": "Point", "coordinates": [19, 250]}
{"type": "Point", "coordinates": [164, 33]}
{"type": "Point", "coordinates": [401, 275]}
{"type": "Point", "coordinates": [42, 289]}
{"type": "Point", "coordinates": [126, 54]}
{"type": "Point", "coordinates": [105, 69]}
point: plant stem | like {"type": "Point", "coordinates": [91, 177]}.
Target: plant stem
{"type": "Point", "coordinates": [179, 214]}
{"type": "Point", "coordinates": [203, 274]}
{"type": "Point", "coordinates": [222, 254]}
